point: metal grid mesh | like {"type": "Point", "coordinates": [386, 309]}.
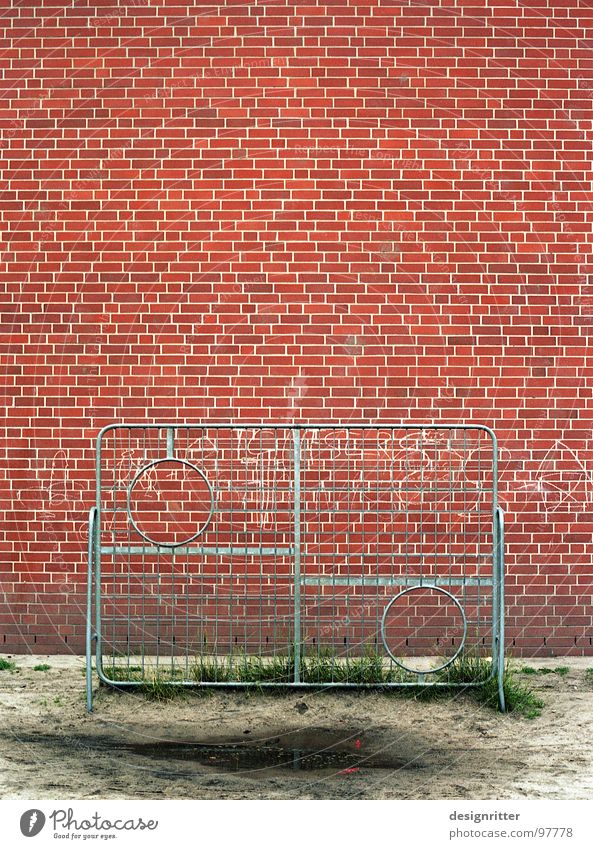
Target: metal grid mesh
{"type": "Point", "coordinates": [310, 533]}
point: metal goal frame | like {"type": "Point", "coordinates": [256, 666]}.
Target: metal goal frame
{"type": "Point", "coordinates": [320, 574]}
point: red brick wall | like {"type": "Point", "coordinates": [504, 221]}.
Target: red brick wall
{"type": "Point", "coordinates": [369, 210]}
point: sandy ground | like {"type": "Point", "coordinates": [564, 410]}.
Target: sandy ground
{"type": "Point", "coordinates": [308, 745]}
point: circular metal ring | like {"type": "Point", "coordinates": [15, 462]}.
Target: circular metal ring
{"type": "Point", "coordinates": [384, 639]}
{"type": "Point", "coordinates": [152, 465]}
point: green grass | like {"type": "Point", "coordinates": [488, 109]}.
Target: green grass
{"type": "Point", "coordinates": [545, 670]}
{"type": "Point", "coordinates": [158, 690]}
{"type": "Point", "coordinates": [323, 667]}
{"type": "Point", "coordinates": [519, 698]}
{"type": "Point", "coordinates": [589, 676]}
{"type": "Point", "coordinates": [123, 673]}
{"type": "Point", "coordinates": [320, 668]}
{"type": "Point", "coordinates": [156, 685]}
{"type": "Point", "coordinates": [7, 665]}
{"type": "Point", "coordinates": [467, 667]}
{"type": "Point", "coordinates": [41, 667]}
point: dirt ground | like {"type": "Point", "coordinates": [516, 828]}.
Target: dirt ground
{"type": "Point", "coordinates": [306, 745]}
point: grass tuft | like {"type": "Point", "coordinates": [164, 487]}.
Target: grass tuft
{"type": "Point", "coordinates": [589, 676]}
{"type": "Point", "coordinates": [324, 667]}
{"type": "Point", "coordinates": [158, 690]}
{"type": "Point", "coordinates": [41, 667]}
{"type": "Point", "coordinates": [7, 665]}
{"type": "Point", "coordinates": [519, 698]}
{"type": "Point", "coordinates": [467, 667]}
{"type": "Point", "coordinates": [545, 670]}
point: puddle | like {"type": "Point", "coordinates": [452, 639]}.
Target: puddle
{"type": "Point", "coordinates": [246, 758]}
{"type": "Point", "coordinates": [313, 750]}
{"type": "Point", "coordinates": [298, 751]}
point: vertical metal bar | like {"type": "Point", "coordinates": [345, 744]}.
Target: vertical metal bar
{"type": "Point", "coordinates": [422, 496]}
{"type": "Point", "coordinates": [451, 497]}
{"type": "Point", "coordinates": [351, 471]}
{"type": "Point", "coordinates": [217, 560]}
{"type": "Point", "coordinates": [360, 642]}
{"type": "Point", "coordinates": [184, 584]}
{"type": "Point", "coordinates": [392, 499]}
{"type": "Point", "coordinates": [98, 641]}
{"type": "Point", "coordinates": [315, 491]}
{"type": "Point", "coordinates": [143, 600]}
{"type": "Point", "coordinates": [495, 564]}
{"type": "Point", "coordinates": [497, 581]}
{"type": "Point", "coordinates": [116, 582]}
{"type": "Point", "coordinates": [436, 508]}
{"type": "Point", "coordinates": [480, 487]}
{"type": "Point", "coordinates": [466, 557]}
{"type": "Point", "coordinates": [173, 590]}
{"type": "Point", "coordinates": [500, 653]}
{"type": "Point", "coordinates": [89, 611]}
{"type": "Point", "coordinates": [129, 564]}
{"type": "Point", "coordinates": [265, 485]}
{"type": "Point", "coordinates": [381, 459]}
{"type": "Point", "coordinates": [296, 437]}
{"type": "Point", "coordinates": [278, 484]}
{"type": "Point", "coordinates": [246, 506]}
{"type": "Point", "coordinates": [336, 508]}
{"type": "Point", "coordinates": [159, 598]}
{"type": "Point", "coordinates": [206, 574]}
{"type": "Point", "coordinates": [407, 498]}
{"type": "Point", "coordinates": [231, 448]}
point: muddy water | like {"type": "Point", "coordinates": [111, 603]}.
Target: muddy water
{"type": "Point", "coordinates": [313, 750]}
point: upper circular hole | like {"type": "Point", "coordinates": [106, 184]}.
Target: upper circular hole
{"type": "Point", "coordinates": [170, 502]}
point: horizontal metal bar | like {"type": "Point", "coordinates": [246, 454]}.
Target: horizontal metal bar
{"type": "Point", "coordinates": [242, 551]}
{"type": "Point", "coordinates": [372, 490]}
{"type": "Point", "coordinates": [357, 556]}
{"type": "Point", "coordinates": [237, 685]}
{"type": "Point", "coordinates": [396, 580]}
{"type": "Point", "coordinates": [328, 490]}
{"type": "Point", "coordinates": [313, 426]}
{"type": "Point", "coordinates": [182, 618]}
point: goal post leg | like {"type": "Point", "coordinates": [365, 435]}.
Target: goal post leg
{"type": "Point", "coordinates": [89, 610]}
{"type": "Point", "coordinates": [296, 435]}
{"type": "Point", "coordinates": [499, 613]}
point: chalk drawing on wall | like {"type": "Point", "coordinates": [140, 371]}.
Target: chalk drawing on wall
{"type": "Point", "coordinates": [562, 480]}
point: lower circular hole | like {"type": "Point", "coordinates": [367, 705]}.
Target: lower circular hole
{"type": "Point", "coordinates": [423, 629]}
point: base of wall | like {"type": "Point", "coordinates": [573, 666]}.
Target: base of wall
{"type": "Point", "coordinates": [546, 647]}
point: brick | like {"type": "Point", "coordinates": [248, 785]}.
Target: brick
{"type": "Point", "coordinates": [289, 227]}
